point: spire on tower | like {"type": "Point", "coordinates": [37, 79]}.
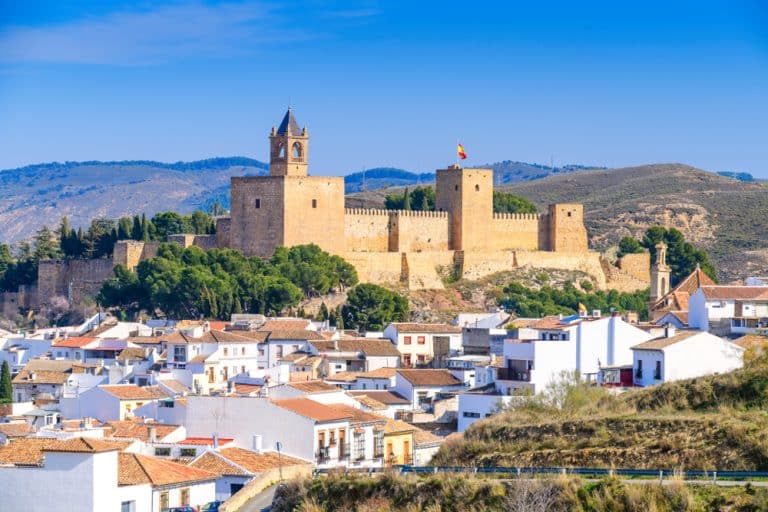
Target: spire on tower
{"type": "Point", "coordinates": [289, 126]}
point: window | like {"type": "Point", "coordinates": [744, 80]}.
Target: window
{"type": "Point", "coordinates": [477, 188]}
{"type": "Point", "coordinates": [365, 386]}
{"type": "Point", "coordinates": [657, 373]}
{"type": "Point", "coordinates": [242, 351]}
{"type": "Point", "coordinates": [468, 414]}
{"type": "Point", "coordinates": [162, 452]}
{"type": "Point", "coordinates": [261, 352]}
{"type": "Point", "coordinates": [421, 340]}
{"type": "Point", "coordinates": [179, 353]}
{"type": "Point", "coordinates": [226, 351]}
{"type": "Point", "coordinates": [187, 452]}
{"type": "Point", "coordinates": [77, 356]}
{"type": "Point", "coordinates": [569, 214]}
{"type": "Point", "coordinates": [455, 187]}
{"type": "Point", "coordinates": [639, 371]}
{"type": "Point", "coordinates": [406, 340]}
{"type": "Point", "coordinates": [297, 152]}
{"type": "Point", "coordinates": [378, 443]}
{"type": "Point", "coordinates": [164, 501]}
{"type": "Point", "coordinates": [421, 358]}
{"type": "Point", "coordinates": [359, 446]}
{"type": "Point", "coordinates": [314, 203]}
{"type": "Point", "coordinates": [128, 506]}
{"type": "Point", "coordinates": [184, 496]}
{"type": "Point", "coordinates": [279, 351]}
{"type": "Point", "coordinates": [257, 203]}
{"type": "Point", "coordinates": [406, 360]}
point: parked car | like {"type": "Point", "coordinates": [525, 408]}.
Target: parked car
{"type": "Point", "coordinates": [213, 506]}
{"type": "Point", "coordinates": [185, 508]}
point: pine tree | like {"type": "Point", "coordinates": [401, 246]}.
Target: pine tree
{"type": "Point", "coordinates": [136, 229]}
{"type": "Point", "coordinates": [6, 388]}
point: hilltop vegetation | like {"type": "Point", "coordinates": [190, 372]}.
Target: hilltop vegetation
{"type": "Point", "coordinates": [707, 423]}
{"type": "Point", "coordinates": [464, 493]}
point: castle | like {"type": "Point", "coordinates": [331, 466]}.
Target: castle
{"type": "Point", "coordinates": [463, 236]}
{"type": "Point", "coordinates": [418, 249]}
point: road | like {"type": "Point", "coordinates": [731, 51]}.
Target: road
{"type": "Point", "coordinates": [262, 502]}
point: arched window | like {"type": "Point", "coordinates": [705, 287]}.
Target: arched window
{"type": "Point", "coordinates": [477, 188]}
{"type": "Point", "coordinates": [281, 150]}
{"type": "Point", "coordinates": [297, 151]}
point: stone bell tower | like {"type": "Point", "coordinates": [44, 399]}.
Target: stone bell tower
{"type": "Point", "coordinates": [660, 273]}
{"type": "Point", "coordinates": [289, 148]}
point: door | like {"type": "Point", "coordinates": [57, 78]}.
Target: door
{"type": "Point", "coordinates": [406, 452]}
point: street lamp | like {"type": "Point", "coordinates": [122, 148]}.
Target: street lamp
{"type": "Point", "coordinates": [279, 447]}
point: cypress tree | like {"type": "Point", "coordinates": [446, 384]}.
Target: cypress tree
{"type": "Point", "coordinates": [406, 200]}
{"type": "Point", "coordinates": [6, 388]}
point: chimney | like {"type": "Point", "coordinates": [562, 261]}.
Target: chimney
{"type": "Point", "coordinates": [152, 434]}
{"type": "Point", "coordinates": [596, 313]}
{"type": "Point", "coordinates": [559, 316]}
{"type": "Point", "coordinates": [257, 443]}
{"type": "Point", "coordinates": [215, 441]}
{"type": "Point", "coordinates": [669, 330]}
{"type": "Point", "coordinates": [87, 422]}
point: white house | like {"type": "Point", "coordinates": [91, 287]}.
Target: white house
{"type": "Point", "coordinates": [475, 405]}
{"type": "Point", "coordinates": [18, 351]}
{"type": "Point", "coordinates": [306, 429]}
{"type": "Point", "coordinates": [729, 309]}
{"type": "Point", "coordinates": [424, 344]}
{"type": "Point", "coordinates": [570, 344]}
{"type": "Point", "coordinates": [93, 475]}
{"type": "Point", "coordinates": [42, 378]}
{"type": "Point", "coordinates": [684, 355]}
{"type": "Point", "coordinates": [421, 387]}
{"type": "Point", "coordinates": [110, 403]}
{"type": "Point", "coordinates": [355, 355]}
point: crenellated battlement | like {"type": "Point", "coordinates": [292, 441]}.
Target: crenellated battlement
{"type": "Point", "coordinates": [365, 211]}
{"type": "Point", "coordinates": [396, 213]}
{"type": "Point", "coordinates": [518, 216]}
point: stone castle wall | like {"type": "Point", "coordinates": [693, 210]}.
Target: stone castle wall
{"type": "Point", "coordinates": [366, 230]}
{"type": "Point", "coordinates": [636, 265]}
{"type": "Point", "coordinates": [188, 240]}
{"type": "Point", "coordinates": [417, 231]}
{"type": "Point", "coordinates": [73, 279]}
{"type": "Point", "coordinates": [518, 231]}
{"type": "Point", "coordinates": [131, 252]}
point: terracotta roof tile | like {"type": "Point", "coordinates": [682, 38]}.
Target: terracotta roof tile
{"type": "Point", "coordinates": [298, 335]}
{"type": "Point", "coordinates": [135, 469]}
{"type": "Point", "coordinates": [752, 340]}
{"type": "Point", "coordinates": [258, 462]}
{"type": "Point", "coordinates": [358, 416]}
{"type": "Point", "coordinates": [139, 430]}
{"type": "Point", "coordinates": [313, 410]}
{"type": "Point", "coordinates": [286, 324]}
{"type": "Point", "coordinates": [379, 373]}
{"type": "Point", "coordinates": [431, 328]}
{"type": "Point", "coordinates": [397, 426]}
{"type": "Point", "coordinates": [29, 450]}
{"type": "Point", "coordinates": [133, 392]}
{"type": "Point", "coordinates": [133, 354]}
{"type": "Point", "coordinates": [735, 292]}
{"type": "Point", "coordinates": [371, 347]}
{"type": "Point", "coordinates": [425, 438]}
{"type": "Point", "coordinates": [313, 386]}
{"type": "Point", "coordinates": [662, 343]}
{"type": "Point", "coordinates": [20, 429]}
{"type": "Point", "coordinates": [429, 377]}
{"type": "Point", "coordinates": [215, 463]}
{"type": "Point", "coordinates": [75, 342]}
{"type": "Point", "coordinates": [205, 441]}
{"type": "Point", "coordinates": [343, 377]}
{"type": "Point", "coordinates": [384, 397]}
{"type": "Point", "coordinates": [35, 377]}
{"type": "Point", "coordinates": [145, 340]}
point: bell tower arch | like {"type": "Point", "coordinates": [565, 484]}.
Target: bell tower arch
{"type": "Point", "coordinates": [289, 148]}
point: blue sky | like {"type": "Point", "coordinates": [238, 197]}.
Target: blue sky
{"type": "Point", "coordinates": [387, 83]}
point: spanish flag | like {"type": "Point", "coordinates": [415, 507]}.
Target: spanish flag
{"type": "Point", "coordinates": [582, 308]}
{"type": "Point", "coordinates": [461, 152]}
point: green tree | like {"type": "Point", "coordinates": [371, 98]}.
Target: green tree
{"type": "Point", "coordinates": [169, 223]}
{"type": "Point", "coordinates": [406, 200]}
{"type": "Point", "coordinates": [6, 387]}
{"type": "Point", "coordinates": [323, 312]}
{"type": "Point", "coordinates": [46, 245]}
{"type": "Point", "coordinates": [505, 202]}
{"type": "Point", "coordinates": [371, 307]}
{"type": "Point", "coordinates": [682, 256]}
{"type": "Point", "coordinates": [124, 228]}
{"type": "Point", "coordinates": [629, 245]}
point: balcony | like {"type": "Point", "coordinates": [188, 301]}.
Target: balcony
{"type": "Point", "coordinates": [513, 374]}
{"type": "Point", "coordinates": [323, 456]}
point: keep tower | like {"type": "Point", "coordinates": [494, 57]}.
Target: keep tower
{"type": "Point", "coordinates": [289, 148]}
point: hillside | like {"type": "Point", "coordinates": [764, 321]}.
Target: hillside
{"type": "Point", "coordinates": [726, 216]}
{"type": "Point", "coordinates": [715, 422]}
{"type": "Point", "coordinates": [43, 194]}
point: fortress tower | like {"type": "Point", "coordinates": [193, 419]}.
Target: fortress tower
{"type": "Point", "coordinates": [288, 207]}
{"type": "Point", "coordinates": [467, 196]}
